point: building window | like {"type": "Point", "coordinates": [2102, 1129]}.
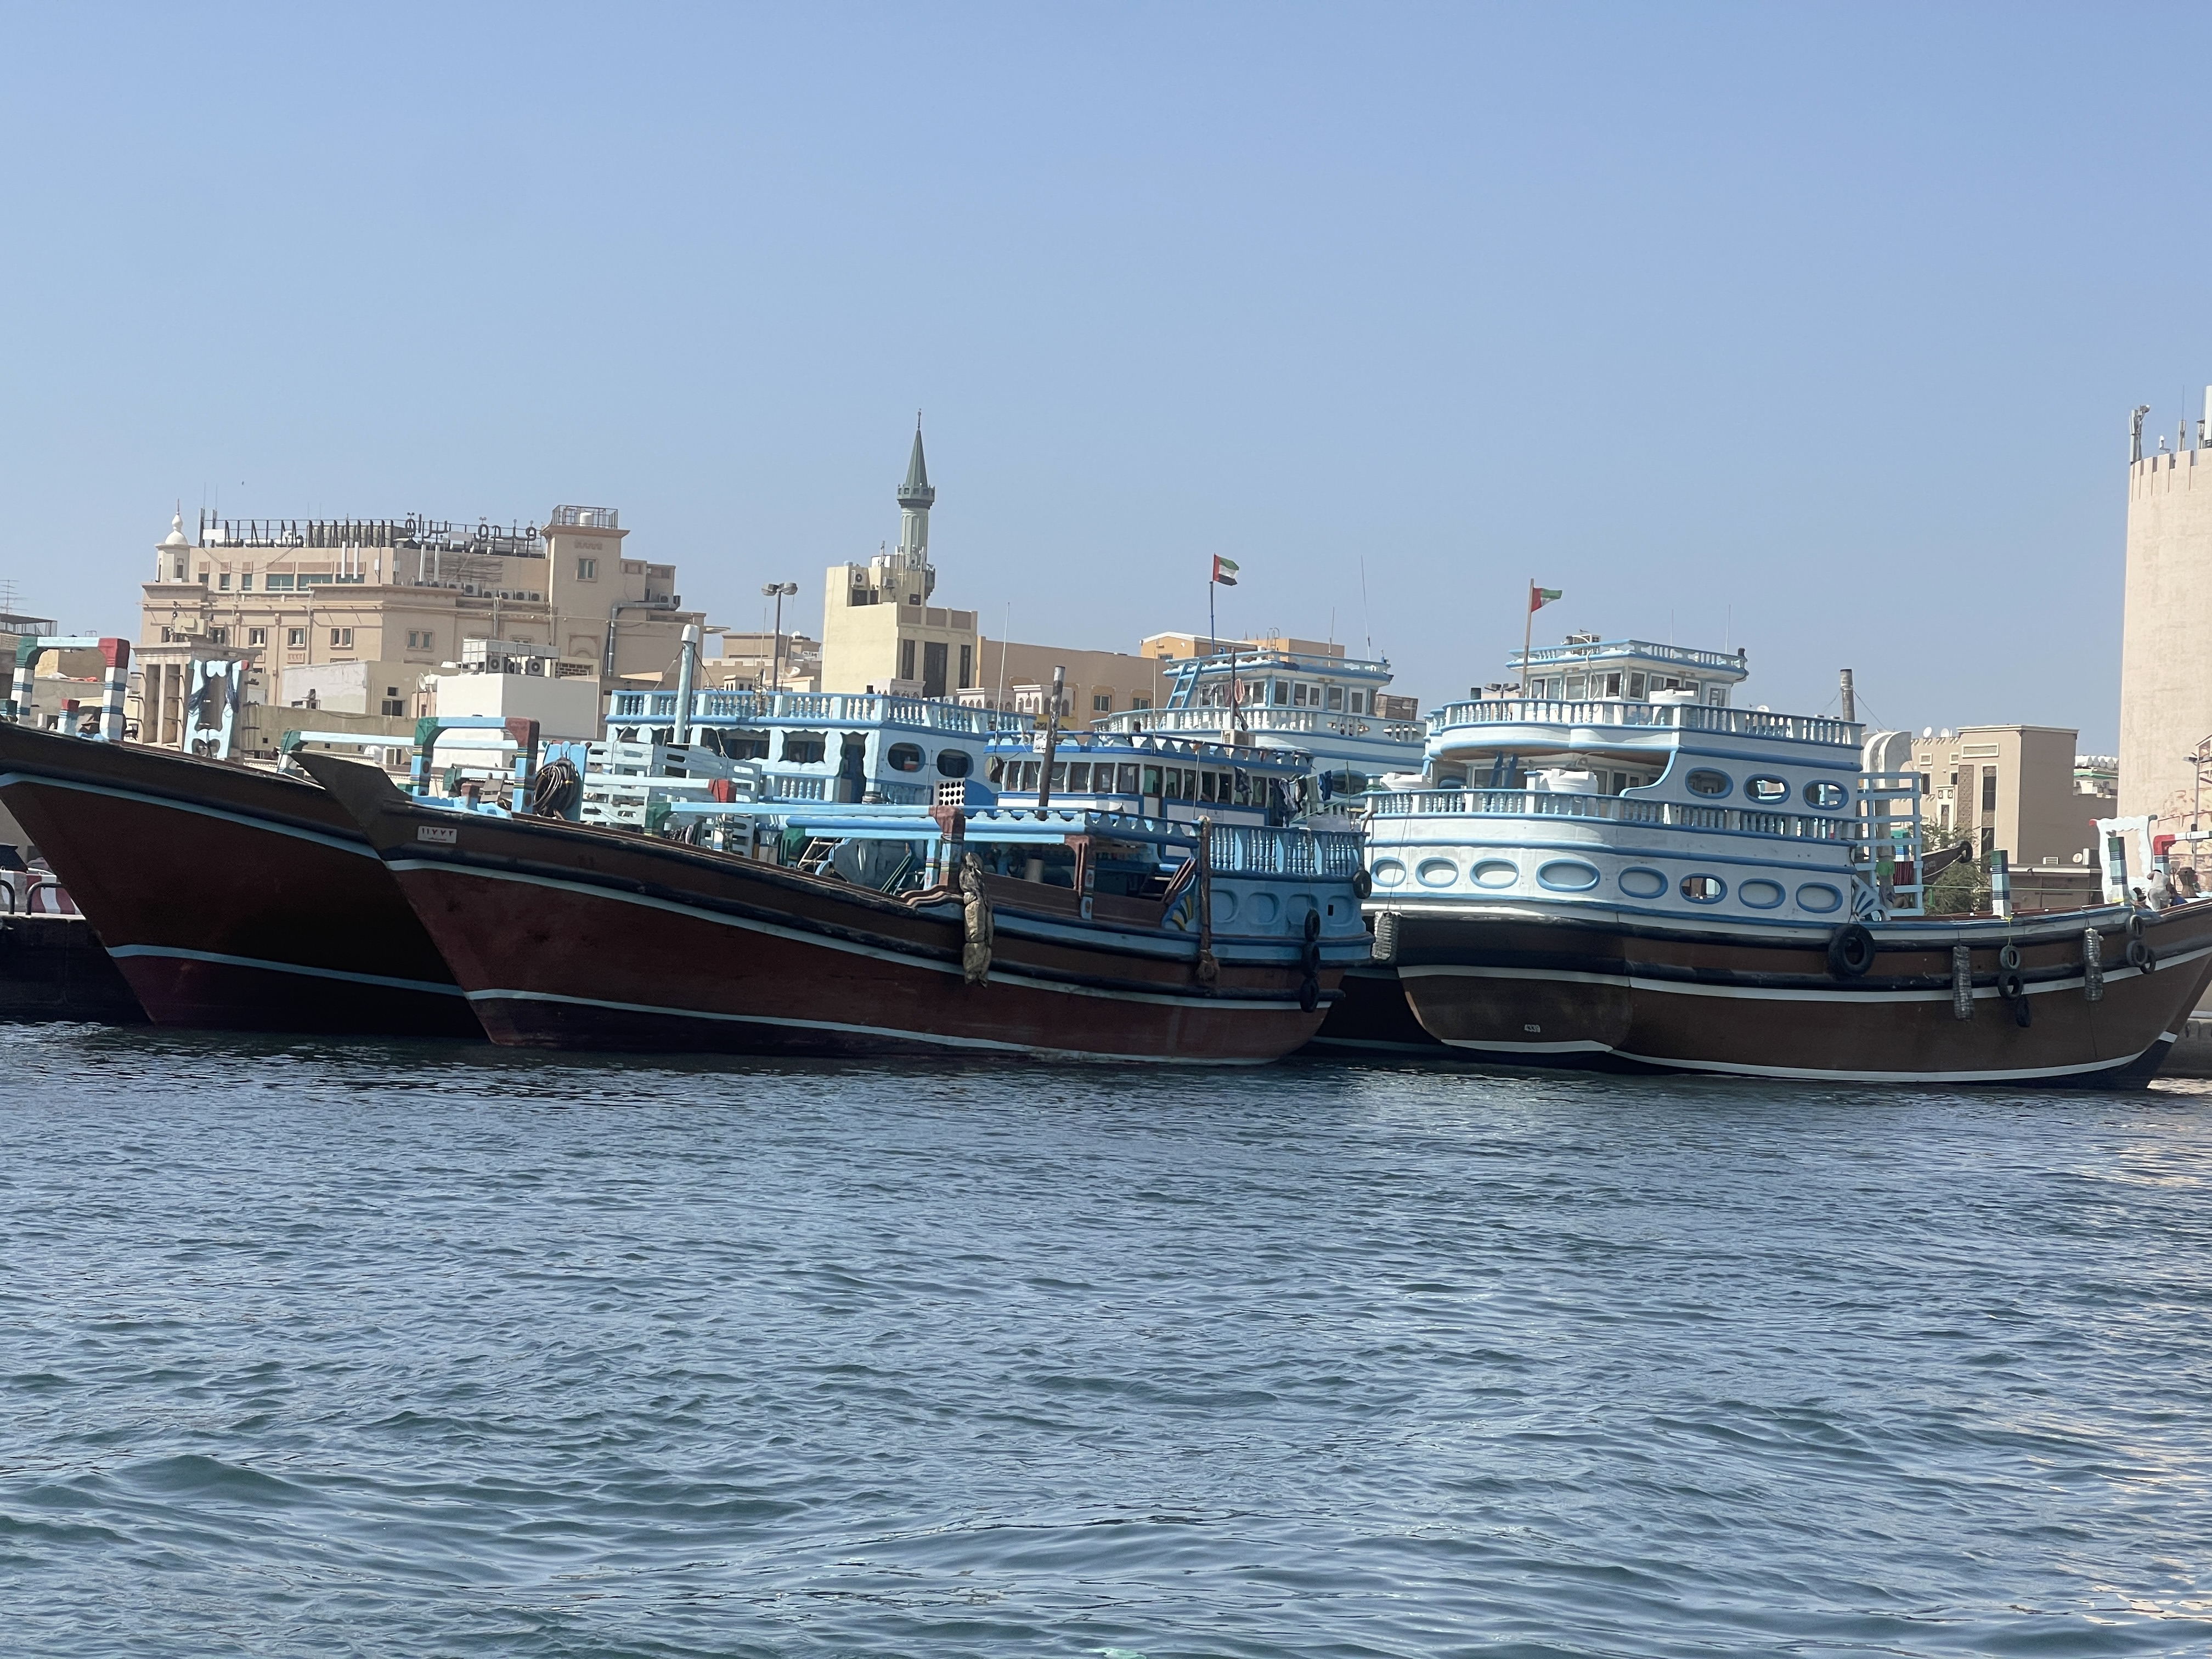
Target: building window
{"type": "Point", "coordinates": [276, 583]}
{"type": "Point", "coordinates": [967, 666]}
{"type": "Point", "coordinates": [1140, 703]}
{"type": "Point", "coordinates": [588, 570]}
{"type": "Point", "coordinates": [1102, 703]}
{"type": "Point", "coordinates": [906, 659]}
{"type": "Point", "coordinates": [218, 636]}
{"type": "Point", "coordinates": [222, 583]}
{"type": "Point", "coordinates": [1989, 789]}
{"type": "Point", "coordinates": [394, 704]}
{"type": "Point", "coordinates": [934, 654]}
{"type": "Point", "coordinates": [257, 636]}
{"type": "Point", "coordinates": [295, 636]}
{"type": "Point", "coordinates": [246, 583]}
{"type": "Point", "coordinates": [1989, 842]}
{"type": "Point", "coordinates": [342, 636]}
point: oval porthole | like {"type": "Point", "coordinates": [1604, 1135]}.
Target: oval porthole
{"type": "Point", "coordinates": [1567, 876]}
{"type": "Point", "coordinates": [1225, 905]}
{"type": "Point", "coordinates": [1826, 796]}
{"type": "Point", "coordinates": [1643, 884]}
{"type": "Point", "coordinates": [954, 763]}
{"type": "Point", "coordinates": [1760, 895]}
{"type": "Point", "coordinates": [1438, 872]}
{"type": "Point", "coordinates": [1265, 909]}
{"type": "Point", "coordinates": [1704, 782]}
{"type": "Point", "coordinates": [1704, 890]}
{"type": "Point", "coordinates": [1496, 872]}
{"type": "Point", "coordinates": [1819, 896]}
{"type": "Point", "coordinates": [1767, 791]}
{"type": "Point", "coordinates": [1387, 872]}
{"type": "Point", "coordinates": [904, 757]}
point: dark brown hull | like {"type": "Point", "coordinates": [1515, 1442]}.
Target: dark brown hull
{"type": "Point", "coordinates": [54, 968]}
{"type": "Point", "coordinates": [1372, 1016]}
{"type": "Point", "coordinates": [570, 937]}
{"type": "Point", "coordinates": [229, 898]}
{"type": "Point", "coordinates": [1599, 991]}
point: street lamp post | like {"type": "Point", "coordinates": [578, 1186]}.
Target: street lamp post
{"type": "Point", "coordinates": [778, 591]}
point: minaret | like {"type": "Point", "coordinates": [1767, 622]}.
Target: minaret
{"type": "Point", "coordinates": [173, 552]}
{"type": "Point", "coordinates": [915, 498]}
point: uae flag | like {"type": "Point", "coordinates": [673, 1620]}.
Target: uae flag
{"type": "Point", "coordinates": [1538, 597]}
{"type": "Point", "coordinates": [1224, 571]}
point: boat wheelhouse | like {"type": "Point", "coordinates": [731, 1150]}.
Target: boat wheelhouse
{"type": "Point", "coordinates": [1332, 709]}
{"type": "Point", "coordinates": [824, 746]}
{"type": "Point", "coordinates": [1143, 775]}
{"type": "Point", "coordinates": [1672, 883]}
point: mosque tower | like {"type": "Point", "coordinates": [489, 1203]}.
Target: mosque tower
{"type": "Point", "coordinates": [915, 498]}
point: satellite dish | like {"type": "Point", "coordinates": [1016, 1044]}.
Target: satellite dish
{"type": "Point", "coordinates": [1927, 731]}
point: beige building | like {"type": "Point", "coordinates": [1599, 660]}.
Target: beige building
{"type": "Point", "coordinates": [2020, 790]}
{"type": "Point", "coordinates": [1019, 676]}
{"type": "Point", "coordinates": [879, 631]}
{"type": "Point", "coordinates": [374, 605]}
{"type": "Point", "coordinates": [753, 662]}
{"type": "Point", "coordinates": [2165, 668]}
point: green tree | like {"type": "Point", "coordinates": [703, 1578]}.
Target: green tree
{"type": "Point", "coordinates": [1962, 889]}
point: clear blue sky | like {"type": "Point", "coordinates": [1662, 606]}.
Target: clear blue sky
{"type": "Point", "coordinates": [1811, 329]}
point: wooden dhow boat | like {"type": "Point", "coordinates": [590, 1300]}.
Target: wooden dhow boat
{"type": "Point", "coordinates": [1658, 881]}
{"type": "Point", "coordinates": [230, 895]}
{"type": "Point", "coordinates": [971, 927]}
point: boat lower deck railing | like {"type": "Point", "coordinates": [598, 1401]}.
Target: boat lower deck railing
{"type": "Point", "coordinates": [1652, 716]}
{"type": "Point", "coordinates": [1608, 809]}
{"type": "Point", "coordinates": [1245, 850]}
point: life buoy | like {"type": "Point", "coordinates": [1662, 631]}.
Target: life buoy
{"type": "Point", "coordinates": [2009, 957]}
{"type": "Point", "coordinates": [2141, 957]}
{"type": "Point", "coordinates": [1363, 884]}
{"type": "Point", "coordinates": [1851, 950]}
{"type": "Point", "coordinates": [2011, 986]}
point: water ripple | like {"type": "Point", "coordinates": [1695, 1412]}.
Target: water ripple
{"type": "Point", "coordinates": [377, 1348]}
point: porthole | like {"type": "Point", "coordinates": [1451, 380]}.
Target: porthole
{"type": "Point", "coordinates": [1496, 872]}
{"type": "Point", "coordinates": [954, 763]}
{"type": "Point", "coordinates": [904, 757]}
{"type": "Point", "coordinates": [1767, 791]}
{"type": "Point", "coordinates": [1224, 904]}
{"type": "Point", "coordinates": [1704, 890]}
{"type": "Point", "coordinates": [1387, 872]}
{"type": "Point", "coordinates": [1567, 876]}
{"type": "Point", "coordinates": [1827, 796]}
{"type": "Point", "coordinates": [1760, 895]}
{"type": "Point", "coordinates": [1818, 897]}
{"type": "Point", "coordinates": [1705, 782]}
{"type": "Point", "coordinates": [1265, 909]}
{"type": "Point", "coordinates": [1643, 884]}
{"type": "Point", "coordinates": [1436, 872]}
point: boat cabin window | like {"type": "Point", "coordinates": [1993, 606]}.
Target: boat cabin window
{"type": "Point", "coordinates": [1578, 687]}
{"type": "Point", "coordinates": [1636, 688]}
{"type": "Point", "coordinates": [1029, 771]}
{"type": "Point", "coordinates": [1125, 780]}
{"type": "Point", "coordinates": [1704, 890]}
{"type": "Point", "coordinates": [1357, 703]}
{"type": "Point", "coordinates": [1826, 796]}
{"type": "Point", "coordinates": [1151, 781]}
{"type": "Point", "coordinates": [1336, 697]}
{"type": "Point", "coordinates": [1717, 695]}
{"type": "Point", "coordinates": [1704, 782]}
{"type": "Point", "coordinates": [805, 747]}
{"type": "Point", "coordinates": [994, 769]}
{"type": "Point", "coordinates": [904, 757]}
{"type": "Point", "coordinates": [1060, 777]}
{"type": "Point", "coordinates": [954, 763]}
{"type": "Point", "coordinates": [741, 744]}
{"type": "Point", "coordinates": [1767, 791]}
{"type": "Point", "coordinates": [1078, 777]}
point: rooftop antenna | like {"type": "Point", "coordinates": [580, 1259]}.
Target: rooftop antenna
{"type": "Point", "coordinates": [1367, 624]}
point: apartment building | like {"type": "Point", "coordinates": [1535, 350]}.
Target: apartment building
{"type": "Point", "coordinates": [369, 607]}
{"type": "Point", "coordinates": [2021, 790]}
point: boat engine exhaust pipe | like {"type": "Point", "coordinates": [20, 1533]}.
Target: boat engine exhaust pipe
{"type": "Point", "coordinates": [1850, 699]}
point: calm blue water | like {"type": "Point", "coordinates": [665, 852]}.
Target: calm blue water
{"type": "Point", "coordinates": [316, 1349]}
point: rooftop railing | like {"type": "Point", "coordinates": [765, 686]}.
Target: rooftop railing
{"type": "Point", "coordinates": [1655, 716]}
{"type": "Point", "coordinates": [853, 709]}
{"type": "Point", "coordinates": [1555, 655]}
{"type": "Point", "coordinates": [1299, 721]}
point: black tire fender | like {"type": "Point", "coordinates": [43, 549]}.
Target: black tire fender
{"type": "Point", "coordinates": [2141, 957]}
{"type": "Point", "coordinates": [1851, 952]}
{"type": "Point", "coordinates": [2011, 986]}
{"type": "Point", "coordinates": [1363, 884]}
{"type": "Point", "coordinates": [2008, 958]}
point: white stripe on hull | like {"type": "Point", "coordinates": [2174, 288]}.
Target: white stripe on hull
{"type": "Point", "coordinates": [177, 953]}
{"type": "Point", "coordinates": [1840, 996]}
{"type": "Point", "coordinates": [360, 848]}
{"type": "Point", "coordinates": [1808, 1074]}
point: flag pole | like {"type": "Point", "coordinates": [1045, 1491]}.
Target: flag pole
{"type": "Point", "coordinates": [1528, 633]}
